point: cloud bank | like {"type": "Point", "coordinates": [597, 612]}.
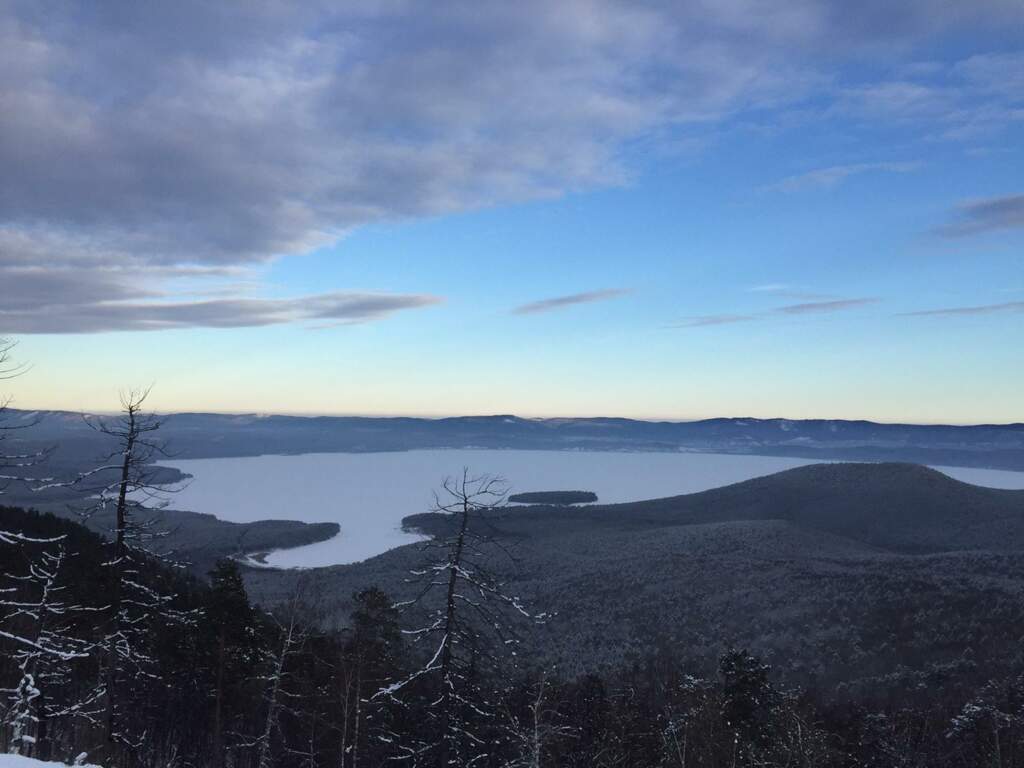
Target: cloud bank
{"type": "Point", "coordinates": [148, 143]}
{"type": "Point", "coordinates": [83, 316]}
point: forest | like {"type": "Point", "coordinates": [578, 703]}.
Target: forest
{"type": "Point", "coordinates": [198, 676]}
{"type": "Point", "coordinates": [554, 497]}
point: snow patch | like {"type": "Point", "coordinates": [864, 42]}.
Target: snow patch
{"type": "Point", "coordinates": [17, 761]}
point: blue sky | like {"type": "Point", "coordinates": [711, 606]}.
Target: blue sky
{"type": "Point", "coordinates": [673, 211]}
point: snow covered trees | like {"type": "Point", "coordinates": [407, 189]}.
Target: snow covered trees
{"type": "Point", "coordinates": [535, 727]}
{"type": "Point", "coordinates": [34, 620]}
{"type": "Point", "coordinates": [469, 632]}
{"type": "Point", "coordinates": [45, 644]}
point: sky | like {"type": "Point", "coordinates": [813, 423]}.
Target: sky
{"type": "Point", "coordinates": [678, 210]}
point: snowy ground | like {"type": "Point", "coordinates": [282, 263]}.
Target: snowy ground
{"type": "Point", "coordinates": [17, 761]}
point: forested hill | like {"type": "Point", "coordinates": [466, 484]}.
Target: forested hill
{"type": "Point", "coordinates": [876, 567]}
{"type": "Point", "coordinates": [195, 435]}
{"type": "Point", "coordinates": [903, 508]}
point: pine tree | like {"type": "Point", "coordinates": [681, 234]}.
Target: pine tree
{"type": "Point", "coordinates": [370, 658]}
{"type": "Point", "coordinates": [230, 636]}
{"type": "Point", "coordinates": [748, 700]}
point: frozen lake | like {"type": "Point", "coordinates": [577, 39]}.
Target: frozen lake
{"type": "Point", "coordinates": [368, 494]}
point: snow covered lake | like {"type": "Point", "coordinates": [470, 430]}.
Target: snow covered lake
{"type": "Point", "coordinates": [368, 494]}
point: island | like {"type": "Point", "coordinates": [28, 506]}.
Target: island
{"type": "Point", "coordinates": [559, 498]}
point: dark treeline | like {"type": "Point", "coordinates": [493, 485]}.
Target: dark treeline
{"type": "Point", "coordinates": [554, 497]}
{"type": "Point", "coordinates": [219, 682]}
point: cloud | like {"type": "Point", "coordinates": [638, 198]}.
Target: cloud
{"type": "Point", "coordinates": [995, 72]}
{"type": "Point", "coordinates": [560, 302]}
{"type": "Point", "coordinates": [706, 320]}
{"type": "Point", "coordinates": [807, 308]}
{"type": "Point", "coordinates": [984, 309]}
{"type": "Point", "coordinates": [900, 100]}
{"type": "Point", "coordinates": [94, 317]}
{"type": "Point", "coordinates": [961, 100]}
{"type": "Point", "coordinates": [820, 307]}
{"type": "Point", "coordinates": [110, 291]}
{"type": "Point", "coordinates": [141, 140]}
{"type": "Point", "coordinates": [975, 217]}
{"type": "Point", "coordinates": [836, 174]}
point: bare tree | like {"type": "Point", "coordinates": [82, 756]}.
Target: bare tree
{"type": "Point", "coordinates": [127, 485]}
{"type": "Point", "coordinates": [133, 490]}
{"type": "Point", "coordinates": [465, 630]}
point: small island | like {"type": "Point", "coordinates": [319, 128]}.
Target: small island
{"type": "Point", "coordinates": [559, 498]}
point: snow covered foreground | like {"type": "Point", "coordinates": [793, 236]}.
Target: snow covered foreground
{"type": "Point", "coordinates": [17, 761]}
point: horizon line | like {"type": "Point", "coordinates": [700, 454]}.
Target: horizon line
{"type": "Point", "coordinates": [439, 417]}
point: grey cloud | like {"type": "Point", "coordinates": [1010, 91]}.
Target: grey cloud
{"type": "Point", "coordinates": [93, 290]}
{"type": "Point", "coordinates": [560, 302]}
{"type": "Point", "coordinates": [817, 307]}
{"type": "Point", "coordinates": [991, 214]}
{"type": "Point", "coordinates": [340, 308]}
{"type": "Point", "coordinates": [706, 320]}
{"type": "Point", "coordinates": [43, 289]}
{"type": "Point", "coordinates": [359, 307]}
{"type": "Point", "coordinates": [806, 308]}
{"type": "Point", "coordinates": [145, 137]}
{"type": "Point", "coordinates": [984, 309]}
{"type": "Point", "coordinates": [836, 174]}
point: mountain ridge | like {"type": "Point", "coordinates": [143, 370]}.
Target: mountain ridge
{"type": "Point", "coordinates": [899, 507]}
{"type": "Point", "coordinates": [205, 435]}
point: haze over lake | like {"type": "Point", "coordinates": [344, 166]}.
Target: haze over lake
{"type": "Point", "coordinates": [368, 494]}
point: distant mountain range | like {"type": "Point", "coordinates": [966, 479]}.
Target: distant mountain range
{"type": "Point", "coordinates": [200, 435]}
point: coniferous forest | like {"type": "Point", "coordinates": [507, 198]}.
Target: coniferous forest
{"type": "Point", "coordinates": [191, 673]}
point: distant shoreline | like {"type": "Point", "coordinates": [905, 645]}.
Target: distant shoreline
{"type": "Point", "coordinates": [978, 461]}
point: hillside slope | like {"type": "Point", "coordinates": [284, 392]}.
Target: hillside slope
{"type": "Point", "coordinates": [834, 572]}
{"type": "Point", "coordinates": [900, 507]}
